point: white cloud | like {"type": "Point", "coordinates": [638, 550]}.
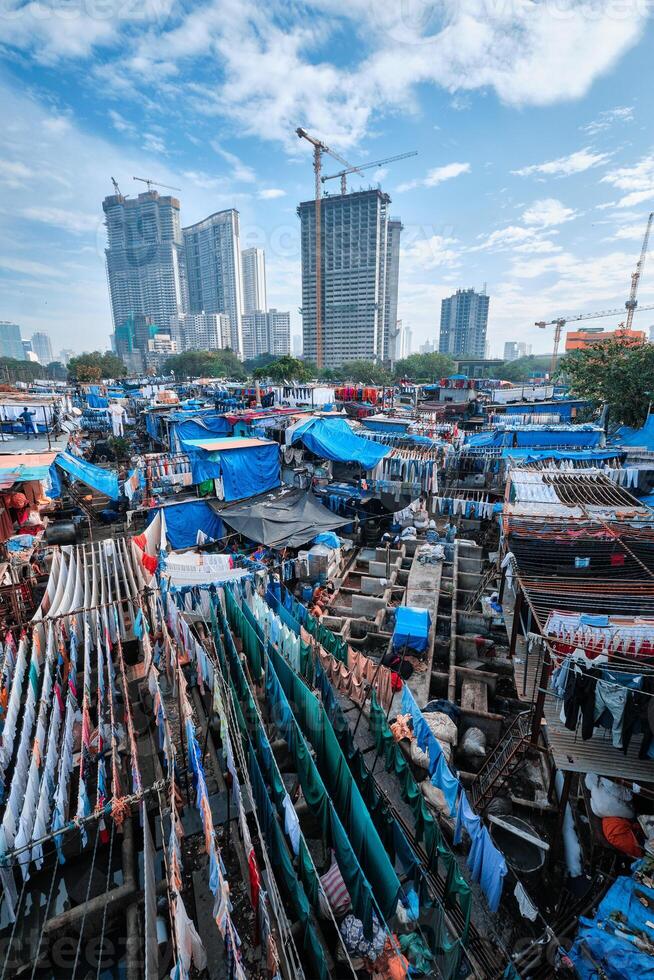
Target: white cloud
{"type": "Point", "coordinates": [629, 233]}
{"type": "Point", "coordinates": [74, 221]}
{"type": "Point", "coordinates": [153, 143]}
{"type": "Point", "coordinates": [621, 113]}
{"type": "Point", "coordinates": [547, 212]}
{"type": "Point", "coordinates": [240, 171]}
{"type": "Point", "coordinates": [14, 173]}
{"type": "Point", "coordinates": [437, 176]}
{"type": "Point", "coordinates": [267, 73]}
{"type": "Point", "coordinates": [637, 181]}
{"type": "Point", "coordinates": [573, 163]}
{"type": "Point", "coordinates": [430, 251]}
{"type": "Point", "coordinates": [269, 193]}
{"type": "Point", "coordinates": [120, 124]}
{"type": "Point", "coordinates": [29, 267]}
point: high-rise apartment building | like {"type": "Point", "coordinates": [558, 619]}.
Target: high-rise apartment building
{"type": "Point", "coordinates": [11, 342]}
{"type": "Point", "coordinates": [65, 355]}
{"type": "Point", "coordinates": [266, 333]}
{"type": "Point", "coordinates": [354, 276]}
{"type": "Point", "coordinates": [464, 319]}
{"type": "Point", "coordinates": [145, 258]}
{"type": "Point", "coordinates": [391, 332]}
{"type": "Point", "coordinates": [201, 331]}
{"type": "Point", "coordinates": [42, 347]}
{"type": "Point", "coordinates": [513, 349]}
{"type": "Point", "coordinates": [213, 263]}
{"type": "Point", "coordinates": [253, 267]}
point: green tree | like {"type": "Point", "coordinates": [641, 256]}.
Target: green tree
{"type": "Point", "coordinates": [262, 360]}
{"type": "Point", "coordinates": [95, 366]}
{"type": "Point", "coordinates": [617, 372]}
{"type": "Point", "coordinates": [56, 371]}
{"type": "Point", "coordinates": [364, 372]}
{"type": "Point", "coordinates": [424, 367]}
{"type": "Point", "coordinates": [523, 368]}
{"type": "Point", "coordinates": [282, 369]}
{"type": "Point", "coordinates": [14, 370]}
{"type": "Point", "coordinates": [206, 364]}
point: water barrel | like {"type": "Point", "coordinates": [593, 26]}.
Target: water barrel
{"type": "Point", "coordinates": [61, 532]}
{"type": "Point", "coordinates": [307, 593]}
{"type": "Point", "coordinates": [525, 858]}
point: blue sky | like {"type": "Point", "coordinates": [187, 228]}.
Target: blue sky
{"type": "Point", "coordinates": [532, 120]}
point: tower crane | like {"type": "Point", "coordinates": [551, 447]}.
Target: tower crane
{"type": "Point", "coordinates": [366, 166]}
{"type": "Point", "coordinates": [150, 183]}
{"type": "Point", "coordinates": [116, 187]}
{"type": "Point", "coordinates": [560, 322]}
{"type": "Point", "coordinates": [632, 302]}
{"type": "Point", "coordinates": [318, 149]}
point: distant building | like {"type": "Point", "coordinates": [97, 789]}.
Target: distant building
{"type": "Point", "coordinates": [201, 331]}
{"type": "Point", "coordinates": [132, 340]}
{"type": "Point", "coordinates": [145, 258]}
{"type": "Point", "coordinates": [266, 333]}
{"type": "Point", "coordinates": [354, 277]}
{"type": "Point", "coordinates": [464, 319]}
{"type": "Point", "coordinates": [393, 233]}
{"type": "Point", "coordinates": [587, 336]}
{"type": "Point", "coordinates": [11, 343]}
{"type": "Point", "coordinates": [428, 347]}
{"type": "Point", "coordinates": [160, 347]}
{"type": "Point", "coordinates": [65, 354]}
{"type": "Point", "coordinates": [651, 334]}
{"type": "Point", "coordinates": [513, 349]}
{"type": "Point", "coordinates": [297, 345]}
{"type": "Point", "coordinates": [27, 348]}
{"type": "Point", "coordinates": [213, 264]}
{"type": "Point", "coordinates": [253, 268]}
{"type": "Point", "coordinates": [42, 347]}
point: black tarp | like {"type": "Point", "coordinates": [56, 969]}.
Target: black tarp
{"type": "Point", "coordinates": [288, 518]}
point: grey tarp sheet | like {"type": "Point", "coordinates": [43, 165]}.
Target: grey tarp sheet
{"type": "Point", "coordinates": [286, 519]}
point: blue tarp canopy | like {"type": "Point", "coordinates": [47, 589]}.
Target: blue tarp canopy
{"type": "Point", "coordinates": [246, 466]}
{"type": "Point", "coordinates": [411, 628]}
{"type": "Point", "coordinates": [526, 455]}
{"type": "Point", "coordinates": [334, 439]}
{"type": "Point", "coordinates": [539, 436]}
{"type": "Point", "coordinates": [198, 426]}
{"type": "Point", "coordinates": [184, 520]}
{"type": "Point", "coordinates": [642, 438]}
{"type": "Point", "coordinates": [96, 401]}
{"type": "Point", "coordinates": [106, 481]}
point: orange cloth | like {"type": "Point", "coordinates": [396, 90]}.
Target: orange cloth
{"type": "Point", "coordinates": [620, 833]}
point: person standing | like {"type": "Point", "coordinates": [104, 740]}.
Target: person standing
{"type": "Point", "coordinates": [27, 418]}
{"type": "Point", "coordinates": [117, 418]}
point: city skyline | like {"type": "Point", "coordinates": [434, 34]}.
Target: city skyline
{"type": "Point", "coordinates": [552, 224]}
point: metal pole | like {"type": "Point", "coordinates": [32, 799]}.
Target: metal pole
{"type": "Point", "coordinates": [47, 427]}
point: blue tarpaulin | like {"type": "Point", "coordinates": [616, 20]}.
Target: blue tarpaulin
{"type": "Point", "coordinates": [598, 947]}
{"type": "Point", "coordinates": [245, 466]}
{"type": "Point", "coordinates": [184, 520]}
{"type": "Point", "coordinates": [334, 439]}
{"type": "Point", "coordinates": [96, 401]}
{"type": "Point", "coordinates": [198, 426]}
{"type": "Point", "coordinates": [526, 455]}
{"type": "Point", "coordinates": [539, 436]}
{"type": "Point", "coordinates": [642, 438]}
{"type": "Point", "coordinates": [248, 471]}
{"type": "Point", "coordinates": [411, 628]}
{"type": "Point", "coordinates": [106, 481]}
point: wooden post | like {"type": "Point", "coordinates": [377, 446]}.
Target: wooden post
{"type": "Point", "coordinates": [539, 708]}
{"type": "Point", "coordinates": [517, 609]}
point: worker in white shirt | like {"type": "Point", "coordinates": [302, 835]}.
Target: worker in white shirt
{"type": "Point", "coordinates": [117, 418]}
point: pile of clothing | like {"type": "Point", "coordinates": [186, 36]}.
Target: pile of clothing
{"type": "Point", "coordinates": [613, 805]}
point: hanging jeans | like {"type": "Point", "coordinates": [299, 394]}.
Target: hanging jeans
{"type": "Point", "coordinates": [613, 698]}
